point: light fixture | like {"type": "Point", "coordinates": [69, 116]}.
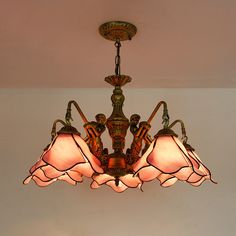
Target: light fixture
{"type": "Point", "coordinates": [69, 157]}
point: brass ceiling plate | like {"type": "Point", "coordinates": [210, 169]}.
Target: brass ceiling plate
{"type": "Point", "coordinates": [114, 30]}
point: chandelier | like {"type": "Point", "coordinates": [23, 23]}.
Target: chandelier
{"type": "Point", "coordinates": [164, 157]}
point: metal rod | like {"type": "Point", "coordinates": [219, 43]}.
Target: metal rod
{"type": "Point", "coordinates": [148, 139]}
{"type": "Point", "coordinates": [54, 127]}
{"type": "Point", "coordinates": [165, 112]}
{"type": "Point", "coordinates": [183, 130]}
{"type": "Point", "coordinates": [68, 114]}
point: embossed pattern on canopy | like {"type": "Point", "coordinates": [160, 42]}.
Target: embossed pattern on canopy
{"type": "Point", "coordinates": [67, 158]}
{"type": "Point", "coordinates": [167, 160]}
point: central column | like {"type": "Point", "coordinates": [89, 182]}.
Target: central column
{"type": "Point", "coordinates": [117, 123]}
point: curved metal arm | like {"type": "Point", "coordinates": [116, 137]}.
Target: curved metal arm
{"type": "Point", "coordinates": [54, 127]}
{"type": "Point", "coordinates": [183, 130]}
{"type": "Point", "coordinates": [68, 112]}
{"type": "Point", "coordinates": [165, 115]}
{"type": "Point", "coordinates": [141, 133]}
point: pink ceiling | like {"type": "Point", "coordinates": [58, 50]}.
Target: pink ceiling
{"type": "Point", "coordinates": [56, 44]}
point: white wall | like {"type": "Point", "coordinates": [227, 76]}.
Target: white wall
{"type": "Point", "coordinates": [64, 210]}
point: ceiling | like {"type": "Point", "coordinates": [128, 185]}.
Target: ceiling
{"type": "Point", "coordinates": [56, 44]}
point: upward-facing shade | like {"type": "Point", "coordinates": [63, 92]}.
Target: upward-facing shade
{"type": "Point", "coordinates": [67, 158]}
{"type": "Point", "coordinates": [196, 179]}
{"type": "Point", "coordinates": [125, 182]}
{"type": "Point", "coordinates": [168, 160]}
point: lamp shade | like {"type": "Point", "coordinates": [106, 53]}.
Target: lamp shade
{"type": "Point", "coordinates": [67, 158]}
{"type": "Point", "coordinates": [195, 179]}
{"type": "Point", "coordinates": [125, 182]}
{"type": "Point", "coordinates": [167, 160]}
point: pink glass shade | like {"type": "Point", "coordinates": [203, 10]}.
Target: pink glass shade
{"type": "Point", "coordinates": [125, 182]}
{"type": "Point", "coordinates": [194, 179]}
{"type": "Point", "coordinates": [67, 158]}
{"type": "Point", "coordinates": [168, 161]}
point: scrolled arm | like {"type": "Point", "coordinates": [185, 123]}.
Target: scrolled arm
{"type": "Point", "coordinates": [68, 112]}
{"type": "Point", "coordinates": [165, 116]}
{"type": "Point", "coordinates": [54, 127]}
{"type": "Point", "coordinates": [183, 130]}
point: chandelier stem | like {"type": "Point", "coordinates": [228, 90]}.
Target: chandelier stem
{"type": "Point", "coordinates": [68, 112]}
{"type": "Point", "coordinates": [183, 130]}
{"type": "Point", "coordinates": [165, 115]}
{"type": "Point", "coordinates": [117, 123]}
